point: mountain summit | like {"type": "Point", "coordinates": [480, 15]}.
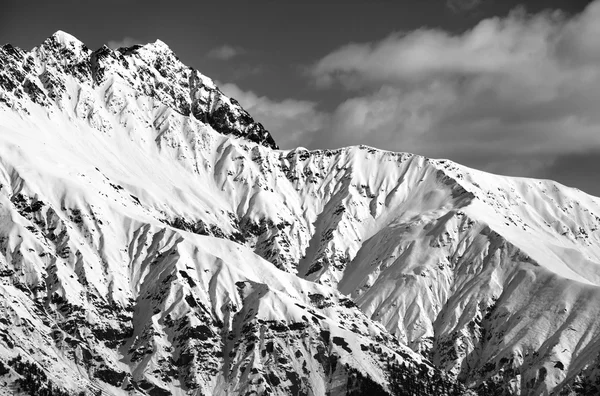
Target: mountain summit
{"type": "Point", "coordinates": [152, 70]}
{"type": "Point", "coordinates": [154, 240]}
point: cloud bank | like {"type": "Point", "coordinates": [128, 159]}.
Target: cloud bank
{"type": "Point", "coordinates": [292, 122]}
{"type": "Point", "coordinates": [510, 95]}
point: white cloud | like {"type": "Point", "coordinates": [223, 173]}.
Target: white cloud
{"type": "Point", "coordinates": [512, 92]}
{"type": "Point", "coordinates": [512, 46]}
{"type": "Point", "coordinates": [124, 42]}
{"type": "Point", "coordinates": [225, 52]}
{"type": "Point", "coordinates": [389, 114]}
{"type": "Point", "coordinates": [292, 122]}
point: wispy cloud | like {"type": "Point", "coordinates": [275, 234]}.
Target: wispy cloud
{"type": "Point", "coordinates": [124, 42]}
{"type": "Point", "coordinates": [225, 52]}
{"type": "Point", "coordinates": [463, 5]}
{"type": "Point", "coordinates": [244, 70]}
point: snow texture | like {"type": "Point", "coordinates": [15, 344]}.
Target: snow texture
{"type": "Point", "coordinates": [154, 240]}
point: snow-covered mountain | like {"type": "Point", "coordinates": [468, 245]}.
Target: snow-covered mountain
{"type": "Point", "coordinates": [154, 240]}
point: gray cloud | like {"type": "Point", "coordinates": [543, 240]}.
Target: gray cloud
{"type": "Point", "coordinates": [244, 70]}
{"type": "Point", "coordinates": [124, 42]}
{"type": "Point", "coordinates": [510, 95]}
{"type": "Point", "coordinates": [225, 52]}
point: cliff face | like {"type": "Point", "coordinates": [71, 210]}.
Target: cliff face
{"type": "Point", "coordinates": [152, 239]}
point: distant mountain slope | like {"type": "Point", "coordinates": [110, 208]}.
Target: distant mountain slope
{"type": "Point", "coordinates": [153, 239]}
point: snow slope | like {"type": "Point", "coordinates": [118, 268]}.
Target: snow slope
{"type": "Point", "coordinates": [153, 239]}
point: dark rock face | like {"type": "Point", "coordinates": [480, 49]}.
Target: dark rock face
{"type": "Point", "coordinates": [225, 120]}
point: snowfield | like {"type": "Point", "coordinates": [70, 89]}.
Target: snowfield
{"type": "Point", "coordinates": [154, 240]}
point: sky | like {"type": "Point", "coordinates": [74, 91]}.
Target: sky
{"type": "Point", "coordinates": [510, 87]}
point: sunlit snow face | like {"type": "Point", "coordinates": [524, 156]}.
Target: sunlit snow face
{"type": "Point", "coordinates": [132, 231]}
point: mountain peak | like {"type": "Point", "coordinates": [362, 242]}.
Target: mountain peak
{"type": "Point", "coordinates": [151, 70]}
{"type": "Point", "coordinates": [160, 44]}
{"type": "Point", "coordinates": [65, 39]}
{"type": "Point", "coordinates": [157, 47]}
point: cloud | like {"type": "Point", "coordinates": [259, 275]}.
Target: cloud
{"type": "Point", "coordinates": [124, 42]}
{"type": "Point", "coordinates": [510, 95]}
{"type": "Point", "coordinates": [514, 45]}
{"type": "Point", "coordinates": [292, 122]}
{"type": "Point", "coordinates": [244, 70]}
{"type": "Point", "coordinates": [225, 52]}
{"type": "Point", "coordinates": [463, 5]}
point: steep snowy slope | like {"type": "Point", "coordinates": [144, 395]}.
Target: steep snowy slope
{"type": "Point", "coordinates": [101, 286]}
{"type": "Point", "coordinates": [112, 163]}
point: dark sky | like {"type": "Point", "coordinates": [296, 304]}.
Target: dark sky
{"type": "Point", "coordinates": [266, 51]}
{"type": "Point", "coordinates": [279, 36]}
